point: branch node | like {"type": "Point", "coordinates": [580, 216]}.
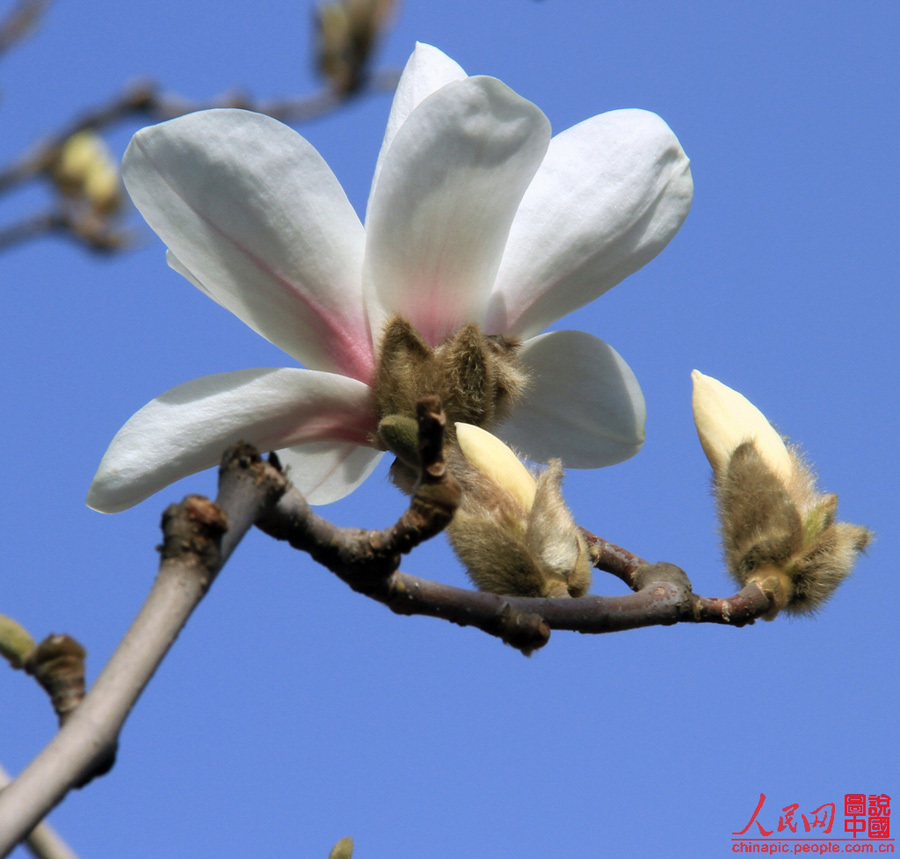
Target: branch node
{"type": "Point", "coordinates": [647, 575]}
{"type": "Point", "coordinates": [526, 631]}
{"type": "Point", "coordinates": [193, 528]}
{"type": "Point", "coordinates": [57, 664]}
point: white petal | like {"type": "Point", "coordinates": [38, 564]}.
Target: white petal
{"type": "Point", "coordinates": [584, 406]}
{"type": "Point", "coordinates": [426, 71]}
{"type": "Point", "coordinates": [188, 428]}
{"type": "Point", "coordinates": [611, 193]}
{"type": "Point", "coordinates": [725, 419]}
{"type": "Point", "coordinates": [177, 265]}
{"type": "Point", "coordinates": [449, 188]}
{"type": "Point", "coordinates": [252, 210]}
{"type": "Point", "coordinates": [495, 460]}
{"type": "Point", "coordinates": [325, 471]}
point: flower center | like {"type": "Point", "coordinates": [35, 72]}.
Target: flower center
{"type": "Point", "coordinates": [478, 379]}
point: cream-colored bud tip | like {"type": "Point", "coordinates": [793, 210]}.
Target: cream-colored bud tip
{"type": "Point", "coordinates": [726, 419]}
{"type": "Point", "coordinates": [494, 459]}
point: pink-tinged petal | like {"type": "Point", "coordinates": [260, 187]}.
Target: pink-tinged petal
{"type": "Point", "coordinates": [256, 215]}
{"type": "Point", "coordinates": [609, 196]}
{"type": "Point", "coordinates": [426, 71]}
{"type": "Point", "coordinates": [449, 188]}
{"type": "Point", "coordinates": [325, 471]}
{"type": "Point", "coordinates": [584, 406]}
{"type": "Point", "coordinates": [189, 427]}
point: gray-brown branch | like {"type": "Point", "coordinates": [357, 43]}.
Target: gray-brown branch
{"type": "Point", "coordinates": [369, 562]}
{"type": "Point", "coordinates": [20, 21]}
{"type": "Point", "coordinates": [198, 538]}
{"type": "Point", "coordinates": [146, 102]}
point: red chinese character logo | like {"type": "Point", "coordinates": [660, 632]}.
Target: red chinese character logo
{"type": "Point", "coordinates": [786, 821]}
{"type": "Point", "coordinates": [879, 815]}
{"type": "Point", "coordinates": [759, 805]}
{"type": "Point", "coordinates": [825, 821]}
{"type": "Point", "coordinates": [854, 804]}
{"type": "Point", "coordinates": [854, 813]}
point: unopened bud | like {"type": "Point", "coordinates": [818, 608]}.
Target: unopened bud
{"type": "Point", "coordinates": [86, 168]}
{"type": "Point", "coordinates": [725, 419]}
{"type": "Point", "coordinates": [16, 643]}
{"type": "Point", "coordinates": [102, 186]}
{"type": "Point", "coordinates": [778, 530]}
{"type": "Point", "coordinates": [514, 533]}
{"type": "Point", "coordinates": [497, 462]}
{"type": "Point", "coordinates": [346, 34]}
{"type": "Point", "coordinates": [343, 849]}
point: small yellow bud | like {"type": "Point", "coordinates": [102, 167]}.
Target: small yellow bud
{"type": "Point", "coordinates": [726, 419]}
{"type": "Point", "coordinates": [86, 168]}
{"type": "Point", "coordinates": [494, 459]}
{"type": "Point", "coordinates": [102, 187]}
{"type": "Point", "coordinates": [77, 156]}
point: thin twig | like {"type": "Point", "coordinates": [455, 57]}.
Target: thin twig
{"type": "Point", "coordinates": [20, 22]}
{"type": "Point", "coordinates": [369, 561]}
{"type": "Point", "coordinates": [43, 841]}
{"type": "Point", "coordinates": [146, 102]}
{"type": "Point", "coordinates": [613, 559]}
{"type": "Point", "coordinates": [198, 537]}
{"type": "Point", "coordinates": [87, 230]}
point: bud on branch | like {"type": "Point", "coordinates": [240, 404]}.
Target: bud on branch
{"type": "Point", "coordinates": [778, 531]}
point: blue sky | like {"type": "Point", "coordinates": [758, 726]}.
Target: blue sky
{"type": "Point", "coordinates": [292, 711]}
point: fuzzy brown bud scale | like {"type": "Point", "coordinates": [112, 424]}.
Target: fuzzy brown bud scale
{"type": "Point", "coordinates": [781, 534]}
{"type": "Point", "coordinates": [477, 378]}
{"type": "Point", "coordinates": [511, 543]}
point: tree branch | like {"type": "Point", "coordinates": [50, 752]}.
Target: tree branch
{"type": "Point", "coordinates": [369, 562]}
{"type": "Point", "coordinates": [84, 227]}
{"type": "Point", "coordinates": [198, 538]}
{"type": "Point", "coordinates": [42, 841]}
{"type": "Point", "coordinates": [20, 21]}
{"type": "Point", "coordinates": [145, 101]}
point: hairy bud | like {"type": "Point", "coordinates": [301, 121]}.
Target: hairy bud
{"type": "Point", "coordinates": [346, 34]}
{"type": "Point", "coordinates": [85, 168]}
{"type": "Point", "coordinates": [514, 533]}
{"type": "Point", "coordinates": [777, 529]}
{"type": "Point", "coordinates": [477, 378]}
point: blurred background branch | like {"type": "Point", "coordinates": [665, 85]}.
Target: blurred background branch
{"type": "Point", "coordinates": [20, 21]}
{"type": "Point", "coordinates": [88, 204]}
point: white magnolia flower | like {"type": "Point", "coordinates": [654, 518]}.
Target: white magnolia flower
{"type": "Point", "coordinates": [475, 215]}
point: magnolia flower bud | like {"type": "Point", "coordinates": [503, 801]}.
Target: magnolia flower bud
{"type": "Point", "coordinates": [513, 532]}
{"type": "Point", "coordinates": [347, 31]}
{"type": "Point", "coordinates": [86, 168]}
{"type": "Point", "coordinates": [102, 187]}
{"type": "Point", "coordinates": [343, 849]}
{"type": "Point", "coordinates": [725, 419]}
{"type": "Point", "coordinates": [497, 462]}
{"type": "Point", "coordinates": [778, 531]}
